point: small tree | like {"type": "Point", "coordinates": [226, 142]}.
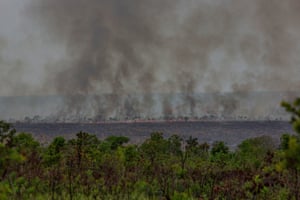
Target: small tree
{"type": "Point", "coordinates": [116, 141]}
{"type": "Point", "coordinates": [219, 147]}
{"type": "Point", "coordinates": [6, 134]}
{"type": "Point", "coordinates": [8, 155]}
{"type": "Point", "coordinates": [252, 152]}
{"type": "Point", "coordinates": [52, 159]}
{"type": "Point", "coordinates": [291, 147]}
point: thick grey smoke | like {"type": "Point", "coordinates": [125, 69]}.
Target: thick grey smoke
{"type": "Point", "coordinates": [133, 49]}
{"type": "Point", "coordinates": [189, 46]}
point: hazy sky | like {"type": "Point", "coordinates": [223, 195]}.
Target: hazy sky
{"type": "Point", "coordinates": [190, 46]}
{"type": "Point", "coordinates": [24, 51]}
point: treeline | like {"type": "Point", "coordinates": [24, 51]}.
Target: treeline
{"type": "Point", "coordinates": [159, 168]}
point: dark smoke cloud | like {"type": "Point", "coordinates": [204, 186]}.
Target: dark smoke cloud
{"type": "Point", "coordinates": [106, 42]}
{"type": "Point", "coordinates": [132, 49]}
{"type": "Point", "coordinates": [172, 46]}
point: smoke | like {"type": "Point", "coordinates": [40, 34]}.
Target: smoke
{"type": "Point", "coordinates": [133, 49]}
{"type": "Point", "coordinates": [172, 46]}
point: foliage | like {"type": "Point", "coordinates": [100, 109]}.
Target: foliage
{"type": "Point", "coordinates": [219, 147]}
{"type": "Point", "coordinates": [251, 152]}
{"type": "Point", "coordinates": [159, 168]}
{"type": "Point", "coordinates": [291, 149]}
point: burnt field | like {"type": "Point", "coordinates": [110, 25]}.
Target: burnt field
{"type": "Point", "coordinates": [232, 132]}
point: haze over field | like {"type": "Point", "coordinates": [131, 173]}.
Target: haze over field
{"type": "Point", "coordinates": [124, 59]}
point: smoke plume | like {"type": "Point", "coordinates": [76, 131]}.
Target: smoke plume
{"type": "Point", "coordinates": [140, 46]}
{"type": "Point", "coordinates": [131, 49]}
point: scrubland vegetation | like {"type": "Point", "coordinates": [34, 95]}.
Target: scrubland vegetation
{"type": "Point", "coordinates": [159, 168]}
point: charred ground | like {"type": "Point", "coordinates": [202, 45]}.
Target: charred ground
{"type": "Point", "coordinates": [231, 132]}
